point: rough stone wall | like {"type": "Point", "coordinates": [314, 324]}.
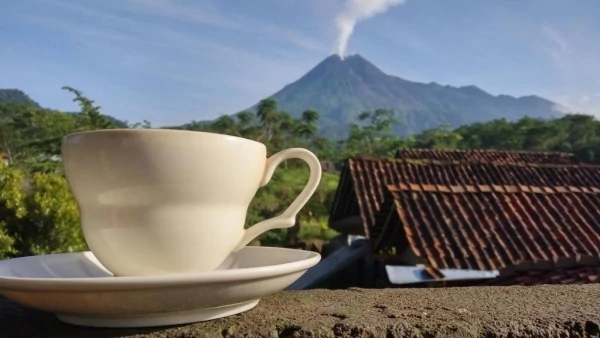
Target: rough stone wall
{"type": "Point", "coordinates": [543, 311]}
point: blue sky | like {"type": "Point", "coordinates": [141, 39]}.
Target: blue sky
{"type": "Point", "coordinates": [172, 61]}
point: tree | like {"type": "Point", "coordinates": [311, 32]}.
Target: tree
{"type": "Point", "coordinates": [91, 113]}
{"type": "Point", "coordinates": [247, 125]}
{"type": "Point", "coordinates": [31, 136]}
{"type": "Point", "coordinates": [374, 134]}
{"type": "Point", "coordinates": [269, 117]}
{"type": "Point", "coordinates": [145, 124]}
{"type": "Point", "coordinates": [193, 126]}
{"type": "Point", "coordinates": [225, 124]}
{"type": "Point", "coordinates": [576, 133]}
{"type": "Point", "coordinates": [308, 126]}
{"type": "Point", "coordinates": [442, 137]}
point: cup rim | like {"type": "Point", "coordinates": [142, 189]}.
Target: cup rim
{"type": "Point", "coordinates": [157, 130]}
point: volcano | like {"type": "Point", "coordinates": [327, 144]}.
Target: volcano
{"type": "Point", "coordinates": [340, 89]}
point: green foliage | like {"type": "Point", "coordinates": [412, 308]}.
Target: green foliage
{"type": "Point", "coordinates": [37, 210]}
{"type": "Point", "coordinates": [276, 129]}
{"type": "Point", "coordinates": [374, 134]}
{"type": "Point", "coordinates": [576, 133]}
{"type": "Point", "coordinates": [317, 230]}
{"type": "Point", "coordinates": [442, 137]}
{"type": "Point", "coordinates": [314, 217]}
{"type": "Point", "coordinates": [272, 199]}
{"type": "Point", "coordinates": [145, 124]}
{"type": "Point", "coordinates": [90, 113]}
{"type": "Point", "coordinates": [31, 136]}
{"type": "Point", "coordinates": [38, 213]}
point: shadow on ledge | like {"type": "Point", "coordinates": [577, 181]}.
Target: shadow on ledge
{"type": "Point", "coordinates": [540, 311]}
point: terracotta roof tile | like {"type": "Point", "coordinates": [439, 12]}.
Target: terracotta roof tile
{"type": "Point", "coordinates": [433, 272]}
{"type": "Point", "coordinates": [496, 227]}
{"type": "Point", "coordinates": [474, 215]}
{"type": "Point", "coordinates": [493, 156]}
{"type": "Point", "coordinates": [363, 181]}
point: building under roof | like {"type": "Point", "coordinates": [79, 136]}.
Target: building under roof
{"type": "Point", "coordinates": [442, 214]}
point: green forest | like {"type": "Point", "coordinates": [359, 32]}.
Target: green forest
{"type": "Point", "coordinates": [38, 214]}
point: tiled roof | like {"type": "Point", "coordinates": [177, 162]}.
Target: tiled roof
{"type": "Point", "coordinates": [487, 227]}
{"type": "Point", "coordinates": [493, 156]}
{"type": "Point", "coordinates": [363, 181]}
{"type": "Point", "coordinates": [477, 215]}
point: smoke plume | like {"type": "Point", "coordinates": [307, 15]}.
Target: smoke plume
{"type": "Point", "coordinates": [355, 11]}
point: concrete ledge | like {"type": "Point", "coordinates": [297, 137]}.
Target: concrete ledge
{"type": "Point", "coordinates": [542, 311]}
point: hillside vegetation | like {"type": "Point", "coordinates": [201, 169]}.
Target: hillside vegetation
{"type": "Point", "coordinates": [39, 215]}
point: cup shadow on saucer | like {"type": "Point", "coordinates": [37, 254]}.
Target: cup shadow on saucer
{"type": "Point", "coordinates": [88, 266]}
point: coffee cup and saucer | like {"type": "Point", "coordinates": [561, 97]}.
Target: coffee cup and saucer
{"type": "Point", "coordinates": [163, 214]}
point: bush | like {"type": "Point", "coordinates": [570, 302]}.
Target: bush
{"type": "Point", "coordinates": [39, 214]}
{"type": "Point", "coordinates": [286, 184]}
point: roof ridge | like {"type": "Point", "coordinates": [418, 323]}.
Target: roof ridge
{"type": "Point", "coordinates": [490, 150]}
{"type": "Point", "coordinates": [471, 188]}
{"type": "Point", "coordinates": [436, 162]}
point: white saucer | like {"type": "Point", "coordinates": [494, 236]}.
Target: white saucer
{"type": "Point", "coordinates": [80, 291]}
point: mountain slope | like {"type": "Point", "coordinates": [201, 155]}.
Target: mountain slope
{"type": "Point", "coordinates": [16, 96]}
{"type": "Point", "coordinates": [341, 89]}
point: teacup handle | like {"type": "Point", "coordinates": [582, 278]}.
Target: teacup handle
{"type": "Point", "coordinates": [288, 217]}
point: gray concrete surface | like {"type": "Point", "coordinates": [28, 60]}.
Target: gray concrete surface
{"type": "Point", "coordinates": [543, 311]}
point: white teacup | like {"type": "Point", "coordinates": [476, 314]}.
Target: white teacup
{"type": "Point", "coordinates": [157, 201]}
